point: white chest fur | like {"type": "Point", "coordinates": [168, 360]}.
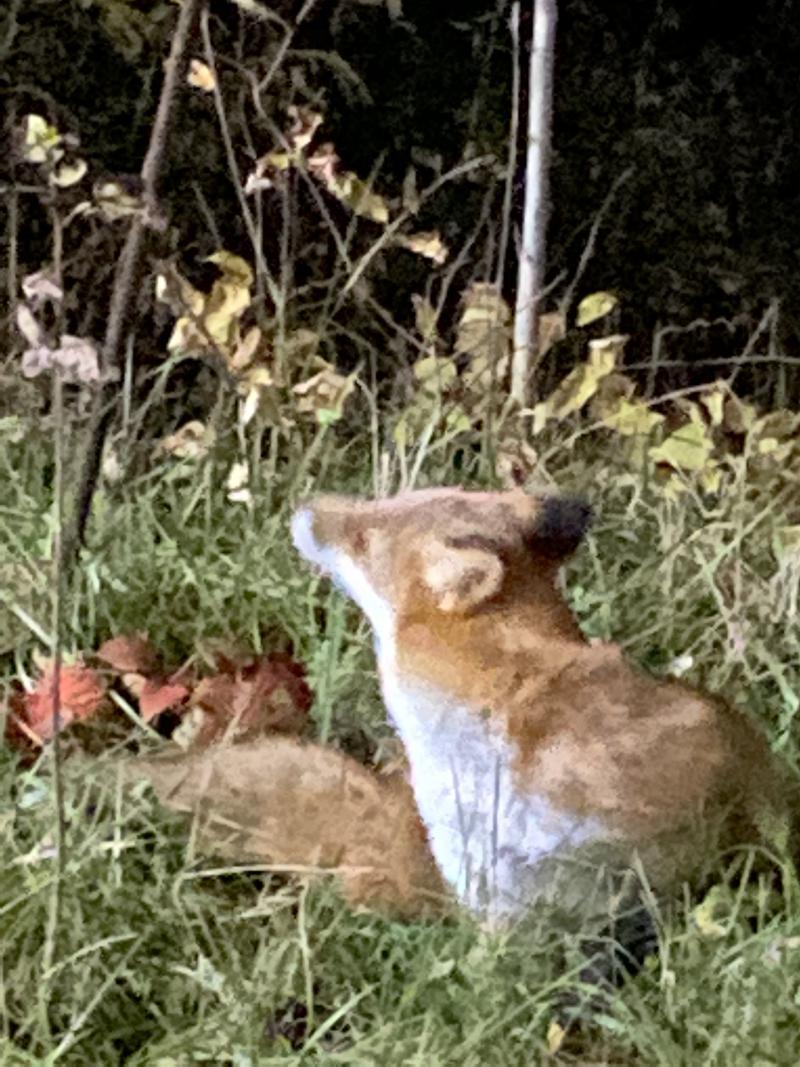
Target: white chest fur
{"type": "Point", "coordinates": [494, 843]}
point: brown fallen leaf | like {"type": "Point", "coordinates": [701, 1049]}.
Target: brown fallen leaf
{"type": "Point", "coordinates": [129, 652]}
{"type": "Point", "coordinates": [304, 809]}
{"type": "Point", "coordinates": [270, 694]}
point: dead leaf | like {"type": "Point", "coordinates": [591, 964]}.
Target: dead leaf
{"type": "Point", "coordinates": [115, 201]}
{"type": "Point", "coordinates": [428, 244]}
{"type": "Point", "coordinates": [305, 123]}
{"type": "Point", "coordinates": [28, 326]}
{"type": "Point", "coordinates": [245, 351]}
{"type": "Point", "coordinates": [192, 441]}
{"type": "Point", "coordinates": [201, 76]}
{"type": "Point", "coordinates": [40, 287]}
{"type": "Point", "coordinates": [77, 359]}
{"type": "Point", "coordinates": [157, 696]}
{"type": "Point", "coordinates": [324, 163]}
{"type": "Point", "coordinates": [267, 171]}
{"type": "Point", "coordinates": [324, 394]}
{"type": "Point", "coordinates": [129, 652]}
{"type": "Point", "coordinates": [236, 484]}
{"type": "Point", "coordinates": [66, 175]}
{"type": "Point", "coordinates": [270, 695]}
{"type": "Point", "coordinates": [611, 391]}
{"type": "Point", "coordinates": [552, 329]}
{"type": "Point", "coordinates": [82, 694]}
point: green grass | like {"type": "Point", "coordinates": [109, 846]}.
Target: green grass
{"type": "Point", "coordinates": [161, 956]}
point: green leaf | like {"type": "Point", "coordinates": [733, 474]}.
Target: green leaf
{"type": "Point", "coordinates": [596, 306]}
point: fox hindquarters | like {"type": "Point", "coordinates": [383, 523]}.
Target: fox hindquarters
{"type": "Point", "coordinates": [543, 767]}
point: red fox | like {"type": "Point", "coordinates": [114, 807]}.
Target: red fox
{"type": "Point", "coordinates": [541, 768]}
{"type": "Point", "coordinates": [536, 759]}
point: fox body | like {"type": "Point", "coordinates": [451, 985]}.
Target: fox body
{"type": "Point", "coordinates": [543, 767]}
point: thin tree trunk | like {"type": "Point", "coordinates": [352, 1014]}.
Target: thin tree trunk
{"type": "Point", "coordinates": [530, 280]}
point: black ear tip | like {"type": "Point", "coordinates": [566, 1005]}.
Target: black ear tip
{"type": "Point", "coordinates": [562, 522]}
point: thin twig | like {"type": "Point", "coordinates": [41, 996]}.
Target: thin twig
{"type": "Point", "coordinates": [54, 909]}
{"type": "Point", "coordinates": [513, 135]}
{"type": "Point", "coordinates": [391, 229]}
{"type": "Point", "coordinates": [588, 249]}
{"type": "Point", "coordinates": [127, 270]}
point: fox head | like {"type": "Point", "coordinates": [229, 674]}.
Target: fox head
{"type": "Point", "coordinates": [444, 553]}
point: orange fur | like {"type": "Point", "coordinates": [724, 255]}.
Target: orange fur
{"type": "Point", "coordinates": [480, 629]}
{"type": "Point", "coordinates": [471, 577]}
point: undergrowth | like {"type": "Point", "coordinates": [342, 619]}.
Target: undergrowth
{"type": "Point", "coordinates": [164, 956]}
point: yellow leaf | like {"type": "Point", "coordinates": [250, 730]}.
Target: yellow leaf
{"type": "Point", "coordinates": [429, 245]}
{"type": "Point", "coordinates": [704, 916]}
{"type": "Point", "coordinates": [766, 446]}
{"type": "Point", "coordinates": [596, 306]}
{"type": "Point", "coordinates": [555, 1037]}
{"type": "Point", "coordinates": [41, 142]}
{"type": "Point", "coordinates": [580, 384]}
{"type": "Point", "coordinates": [710, 477]}
{"type": "Point", "coordinates": [605, 352]}
{"type": "Point", "coordinates": [267, 169]}
{"type": "Point", "coordinates": [363, 201]}
{"type": "Point", "coordinates": [714, 402]}
{"type": "Point", "coordinates": [632, 419]}
{"type": "Point", "coordinates": [484, 334]}
{"type": "Point", "coordinates": [435, 373]}
{"type": "Point", "coordinates": [201, 76]}
{"type": "Point", "coordinates": [233, 267]}
{"type": "Point", "coordinates": [187, 337]}
{"type": "Point", "coordinates": [541, 414]}
{"type": "Point", "coordinates": [229, 298]}
{"type": "Point", "coordinates": [457, 420]}
{"type": "Point", "coordinates": [68, 174]}
{"type": "Point", "coordinates": [688, 448]}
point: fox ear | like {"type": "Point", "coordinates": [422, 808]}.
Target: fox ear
{"type": "Point", "coordinates": [460, 577]}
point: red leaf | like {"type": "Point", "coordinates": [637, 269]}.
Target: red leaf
{"type": "Point", "coordinates": [131, 652]}
{"type": "Point", "coordinates": [81, 692]}
{"type": "Point", "coordinates": [270, 696]}
{"type": "Point", "coordinates": [154, 694]}
{"type": "Point", "coordinates": [160, 696]}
